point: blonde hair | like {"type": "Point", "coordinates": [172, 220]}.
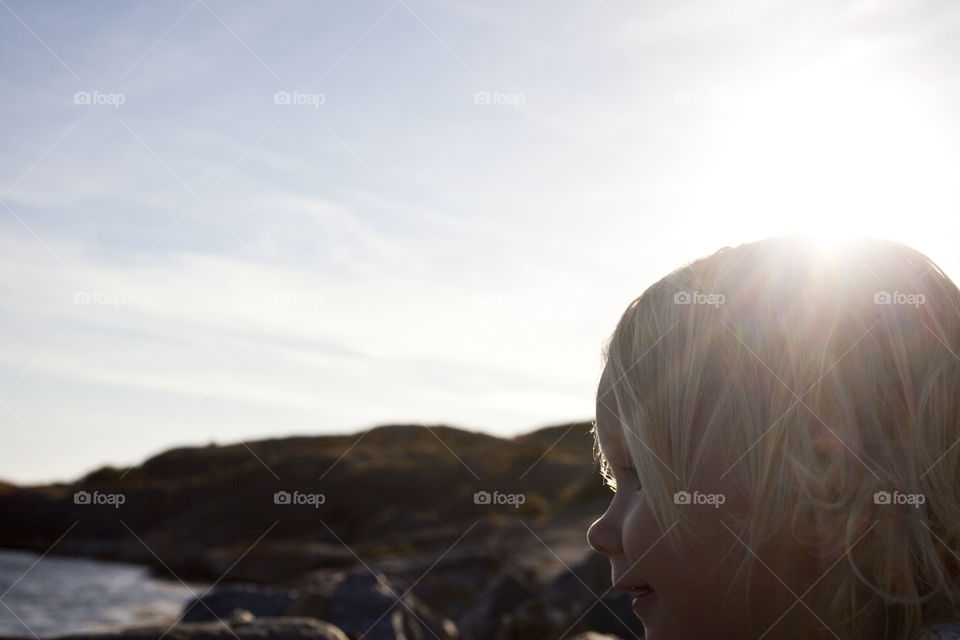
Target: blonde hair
{"type": "Point", "coordinates": [822, 378]}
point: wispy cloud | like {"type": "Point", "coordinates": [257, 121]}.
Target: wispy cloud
{"type": "Point", "coordinates": [222, 222]}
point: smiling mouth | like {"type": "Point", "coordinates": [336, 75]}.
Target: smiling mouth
{"type": "Point", "coordinates": [638, 590]}
{"type": "Point", "coordinates": [639, 602]}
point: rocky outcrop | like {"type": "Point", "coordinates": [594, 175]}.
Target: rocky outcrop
{"type": "Point", "coordinates": [358, 602]}
{"type": "Point", "coordinates": [578, 600]}
{"type": "Point", "coordinates": [402, 532]}
{"type": "Point", "coordinates": [365, 604]}
{"type": "Point", "coordinates": [393, 489]}
{"type": "Point", "coordinates": [241, 627]}
{"type": "Point", "coordinates": [496, 603]}
{"type": "Point", "coordinates": [225, 600]}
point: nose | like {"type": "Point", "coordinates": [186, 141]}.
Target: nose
{"type": "Point", "coordinates": [603, 537]}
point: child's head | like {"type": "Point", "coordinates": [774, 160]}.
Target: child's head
{"type": "Point", "coordinates": [793, 417]}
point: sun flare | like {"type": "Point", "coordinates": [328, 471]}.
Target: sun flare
{"type": "Point", "coordinates": [832, 161]}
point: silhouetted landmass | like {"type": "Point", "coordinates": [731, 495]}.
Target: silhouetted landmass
{"type": "Point", "coordinates": [399, 503]}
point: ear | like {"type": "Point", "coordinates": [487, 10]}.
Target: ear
{"type": "Point", "coordinates": [820, 525]}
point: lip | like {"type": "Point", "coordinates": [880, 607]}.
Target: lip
{"type": "Point", "coordinates": [640, 588]}
{"type": "Point", "coordinates": [641, 602]}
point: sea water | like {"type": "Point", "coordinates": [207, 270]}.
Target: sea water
{"type": "Point", "coordinates": [56, 595]}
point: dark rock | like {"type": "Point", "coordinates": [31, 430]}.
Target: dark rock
{"type": "Point", "coordinates": [363, 604]}
{"type": "Point", "coordinates": [577, 600]}
{"type": "Point", "coordinates": [281, 629]}
{"type": "Point", "coordinates": [500, 598]}
{"type": "Point", "coordinates": [262, 602]}
{"type": "Point", "coordinates": [451, 583]}
{"type": "Point", "coordinates": [262, 629]}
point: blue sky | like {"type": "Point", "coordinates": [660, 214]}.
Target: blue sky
{"type": "Point", "coordinates": [227, 220]}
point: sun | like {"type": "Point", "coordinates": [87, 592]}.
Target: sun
{"type": "Point", "coordinates": [833, 160]}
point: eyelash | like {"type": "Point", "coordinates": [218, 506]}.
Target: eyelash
{"type": "Point", "coordinates": [631, 471]}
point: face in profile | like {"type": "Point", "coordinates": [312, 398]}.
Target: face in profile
{"type": "Point", "coordinates": [695, 596]}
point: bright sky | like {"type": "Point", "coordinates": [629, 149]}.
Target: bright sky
{"type": "Point", "coordinates": [227, 220]}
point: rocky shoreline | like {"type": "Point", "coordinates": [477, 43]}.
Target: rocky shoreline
{"type": "Point", "coordinates": [410, 539]}
{"type": "Point", "coordinates": [365, 603]}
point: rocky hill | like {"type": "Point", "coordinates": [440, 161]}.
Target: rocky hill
{"type": "Point", "coordinates": [401, 531]}
{"type": "Point", "coordinates": [316, 501]}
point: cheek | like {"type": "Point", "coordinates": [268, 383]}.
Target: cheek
{"type": "Point", "coordinates": [645, 546]}
{"type": "Point", "coordinates": [646, 549]}
{"type": "Point", "coordinates": [688, 586]}
{"type": "Point", "coordinates": [641, 531]}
